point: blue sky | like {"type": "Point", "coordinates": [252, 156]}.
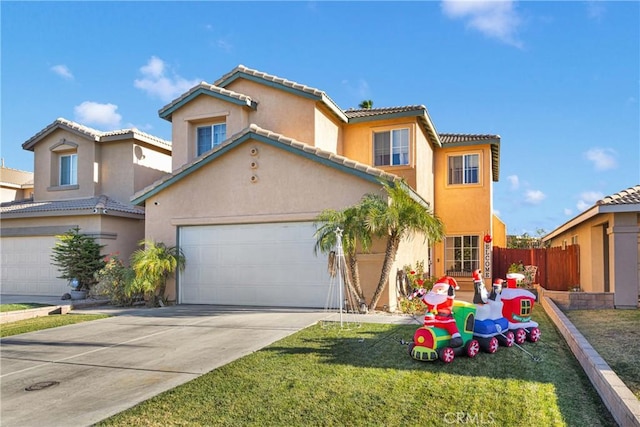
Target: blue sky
{"type": "Point", "coordinates": [558, 81]}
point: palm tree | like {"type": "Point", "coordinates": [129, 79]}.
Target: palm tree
{"type": "Point", "coordinates": [367, 104]}
{"type": "Point", "coordinates": [402, 217]}
{"type": "Point", "coordinates": [152, 266]}
{"type": "Point", "coordinates": [352, 221]}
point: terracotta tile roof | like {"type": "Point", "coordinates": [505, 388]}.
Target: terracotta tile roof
{"type": "Point", "coordinates": [92, 205]}
{"type": "Point", "coordinates": [630, 196]}
{"type": "Point", "coordinates": [375, 112]}
{"type": "Point", "coordinates": [94, 134]}
{"type": "Point", "coordinates": [15, 177]}
{"type": "Point", "coordinates": [254, 131]}
{"type": "Point", "coordinates": [452, 138]}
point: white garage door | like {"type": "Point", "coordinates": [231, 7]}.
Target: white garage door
{"type": "Point", "coordinates": [27, 268]}
{"type": "Point", "coordinates": [253, 264]}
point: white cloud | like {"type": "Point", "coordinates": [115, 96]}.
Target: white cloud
{"type": "Point", "coordinates": [514, 181]}
{"type": "Point", "coordinates": [534, 197]}
{"type": "Point", "coordinates": [568, 212]}
{"type": "Point", "coordinates": [602, 158]}
{"type": "Point", "coordinates": [359, 90]}
{"type": "Point", "coordinates": [94, 113]}
{"type": "Point", "coordinates": [157, 84]}
{"type": "Point", "coordinates": [596, 10]}
{"type": "Point", "coordinates": [588, 199]}
{"type": "Point", "coordinates": [63, 71]}
{"type": "Point", "coordinates": [494, 18]}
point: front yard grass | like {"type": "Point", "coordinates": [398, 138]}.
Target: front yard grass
{"type": "Point", "coordinates": [20, 306]}
{"type": "Point", "coordinates": [45, 322]}
{"type": "Point", "coordinates": [615, 335]}
{"type": "Point", "coordinates": [364, 376]}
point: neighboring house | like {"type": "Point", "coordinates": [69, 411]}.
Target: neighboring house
{"type": "Point", "coordinates": [82, 178]}
{"type": "Point", "coordinates": [15, 184]}
{"type": "Point", "coordinates": [608, 235]}
{"type": "Point", "coordinates": [257, 157]}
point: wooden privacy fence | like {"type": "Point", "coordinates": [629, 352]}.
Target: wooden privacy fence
{"type": "Point", "coordinates": [558, 269]}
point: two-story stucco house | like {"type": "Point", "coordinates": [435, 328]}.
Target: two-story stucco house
{"type": "Point", "coordinates": [255, 159]}
{"type": "Point", "coordinates": [82, 178]}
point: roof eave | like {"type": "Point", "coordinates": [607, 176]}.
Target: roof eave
{"type": "Point", "coordinates": [31, 142]}
{"type": "Point", "coordinates": [167, 111]}
{"type": "Point", "coordinates": [361, 171]}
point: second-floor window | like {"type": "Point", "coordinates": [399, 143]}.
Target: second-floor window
{"type": "Point", "coordinates": [391, 148]}
{"type": "Point", "coordinates": [464, 169]}
{"type": "Point", "coordinates": [209, 137]}
{"type": "Point", "coordinates": [69, 169]}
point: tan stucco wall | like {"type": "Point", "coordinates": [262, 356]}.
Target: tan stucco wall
{"type": "Point", "coordinates": [222, 193]}
{"type": "Point", "coordinates": [328, 131]}
{"type": "Point", "coordinates": [499, 232]}
{"type": "Point", "coordinates": [358, 145]}
{"type": "Point", "coordinates": [9, 194]}
{"type": "Point", "coordinates": [46, 167]}
{"type": "Point", "coordinates": [280, 111]}
{"type": "Point", "coordinates": [119, 234]}
{"type": "Point", "coordinates": [201, 111]}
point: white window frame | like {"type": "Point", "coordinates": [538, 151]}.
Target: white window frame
{"type": "Point", "coordinates": [400, 148]}
{"type": "Point", "coordinates": [214, 142]}
{"type": "Point", "coordinates": [463, 174]}
{"type": "Point", "coordinates": [462, 255]}
{"type": "Point", "coordinates": [72, 178]}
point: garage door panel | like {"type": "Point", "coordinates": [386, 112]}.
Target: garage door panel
{"type": "Point", "coordinates": [26, 267]}
{"type": "Point", "coordinates": [253, 264]}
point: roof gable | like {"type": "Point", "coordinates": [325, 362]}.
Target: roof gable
{"type": "Point", "coordinates": [254, 132]}
{"type": "Point", "coordinates": [242, 72]}
{"type": "Point", "coordinates": [94, 134]}
{"type": "Point", "coordinates": [209, 90]}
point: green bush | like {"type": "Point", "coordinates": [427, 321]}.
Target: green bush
{"type": "Point", "coordinates": [77, 256]}
{"type": "Point", "coordinates": [113, 281]}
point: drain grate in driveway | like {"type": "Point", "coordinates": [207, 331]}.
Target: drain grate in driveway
{"type": "Point", "coordinates": [42, 385]}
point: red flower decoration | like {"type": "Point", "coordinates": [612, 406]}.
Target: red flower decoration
{"type": "Point", "coordinates": [487, 238]}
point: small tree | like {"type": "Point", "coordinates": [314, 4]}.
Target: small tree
{"type": "Point", "coordinates": [77, 256]}
{"type": "Point", "coordinates": [367, 104]}
{"type": "Point", "coordinates": [152, 265]}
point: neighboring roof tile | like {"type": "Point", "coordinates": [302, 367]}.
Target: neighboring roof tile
{"type": "Point", "coordinates": [209, 89]}
{"type": "Point", "coordinates": [15, 176]}
{"type": "Point", "coordinates": [630, 196]}
{"type": "Point", "coordinates": [256, 132]}
{"type": "Point", "coordinates": [94, 134]}
{"type": "Point", "coordinates": [90, 204]}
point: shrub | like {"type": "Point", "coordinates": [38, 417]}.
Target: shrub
{"type": "Point", "coordinates": [415, 278]}
{"type": "Point", "coordinates": [113, 281]}
{"type": "Point", "coordinates": [77, 256]}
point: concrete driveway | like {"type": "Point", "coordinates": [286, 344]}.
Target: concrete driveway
{"type": "Point", "coordinates": [80, 374]}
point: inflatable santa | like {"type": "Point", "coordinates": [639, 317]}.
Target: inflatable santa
{"type": "Point", "coordinates": [439, 302]}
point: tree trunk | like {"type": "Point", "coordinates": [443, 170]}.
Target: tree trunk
{"type": "Point", "coordinates": [352, 259]}
{"type": "Point", "coordinates": [389, 258]}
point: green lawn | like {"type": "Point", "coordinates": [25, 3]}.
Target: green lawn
{"type": "Point", "coordinates": [21, 306]}
{"type": "Point", "coordinates": [45, 322]}
{"type": "Point", "coordinates": [615, 335]}
{"type": "Point", "coordinates": [364, 377]}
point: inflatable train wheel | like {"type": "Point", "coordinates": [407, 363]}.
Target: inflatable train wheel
{"type": "Point", "coordinates": [446, 354]}
{"type": "Point", "coordinates": [533, 335]}
{"type": "Point", "coordinates": [490, 345]}
{"type": "Point", "coordinates": [473, 348]}
{"type": "Point", "coordinates": [521, 336]}
{"type": "Point", "coordinates": [507, 339]}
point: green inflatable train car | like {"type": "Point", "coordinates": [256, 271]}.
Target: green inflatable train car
{"type": "Point", "coordinates": [431, 343]}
